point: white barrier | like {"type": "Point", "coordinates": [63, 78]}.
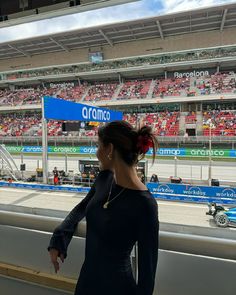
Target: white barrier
{"type": "Point", "coordinates": [177, 273]}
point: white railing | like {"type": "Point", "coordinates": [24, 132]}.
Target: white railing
{"type": "Point", "coordinates": [93, 139]}
{"type": "Point", "coordinates": [180, 238]}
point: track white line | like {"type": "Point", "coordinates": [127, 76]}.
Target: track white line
{"type": "Point", "coordinates": [49, 193]}
{"type": "Point", "coordinates": [16, 190]}
{"type": "Point", "coordinates": [180, 204]}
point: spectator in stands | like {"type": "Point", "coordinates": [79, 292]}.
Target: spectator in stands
{"type": "Point", "coordinates": [218, 83]}
{"type": "Point", "coordinates": [125, 63]}
{"type": "Point", "coordinates": [109, 239]}
{"type": "Point", "coordinates": [186, 134]}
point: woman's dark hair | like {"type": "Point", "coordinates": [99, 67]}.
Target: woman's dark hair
{"type": "Point", "coordinates": [130, 143]}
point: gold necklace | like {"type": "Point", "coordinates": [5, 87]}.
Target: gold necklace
{"type": "Point", "coordinates": [105, 206]}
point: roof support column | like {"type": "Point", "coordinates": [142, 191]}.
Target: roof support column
{"type": "Point", "coordinates": [160, 29]}
{"type": "Point", "coordinates": [223, 20]}
{"type": "Point", "coordinates": [120, 78]}
{"type": "Point", "coordinates": [106, 38]}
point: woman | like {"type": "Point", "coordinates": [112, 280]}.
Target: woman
{"type": "Point", "coordinates": [119, 211]}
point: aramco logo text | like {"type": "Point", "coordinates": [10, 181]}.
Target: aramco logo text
{"type": "Point", "coordinates": [95, 114]}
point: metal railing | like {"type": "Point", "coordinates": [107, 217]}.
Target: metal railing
{"type": "Point", "coordinates": [74, 180]}
{"type": "Point", "coordinates": [78, 140]}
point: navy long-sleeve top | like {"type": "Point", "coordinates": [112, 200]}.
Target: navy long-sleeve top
{"type": "Point", "coordinates": [110, 236]}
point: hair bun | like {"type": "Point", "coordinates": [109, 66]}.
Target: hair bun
{"type": "Point", "coordinates": [130, 144]}
{"type": "Point", "coordinates": [144, 139]}
{"type": "Point", "coordinates": [145, 130]}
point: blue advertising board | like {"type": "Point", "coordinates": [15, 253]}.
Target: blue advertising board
{"type": "Point", "coordinates": [193, 193]}
{"type": "Point", "coordinates": [59, 109]}
{"type": "Point", "coordinates": [45, 187]}
{"type": "Point", "coordinates": [183, 152]}
{"type": "Point", "coordinates": [164, 191]}
{"type": "Point", "coordinates": [168, 152]}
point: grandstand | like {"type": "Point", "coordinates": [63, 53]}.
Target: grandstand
{"type": "Point", "coordinates": [175, 72]}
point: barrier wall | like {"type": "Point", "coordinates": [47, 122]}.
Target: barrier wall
{"type": "Point", "coordinates": [45, 187]}
{"type": "Point", "coordinates": [12, 286]}
{"type": "Point", "coordinates": [165, 191]}
{"type": "Point", "coordinates": [177, 273]}
{"type": "Point", "coordinates": [182, 152]}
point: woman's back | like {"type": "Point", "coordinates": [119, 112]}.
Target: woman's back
{"type": "Point", "coordinates": [111, 235]}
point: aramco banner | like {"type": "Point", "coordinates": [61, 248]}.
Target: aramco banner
{"type": "Point", "coordinates": [183, 152]}
{"type": "Point", "coordinates": [59, 109]}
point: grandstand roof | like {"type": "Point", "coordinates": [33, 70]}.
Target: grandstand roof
{"type": "Point", "coordinates": [199, 20]}
{"type": "Point", "coordinates": [12, 13]}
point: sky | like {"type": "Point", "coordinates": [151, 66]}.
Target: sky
{"type": "Point", "coordinates": [131, 11]}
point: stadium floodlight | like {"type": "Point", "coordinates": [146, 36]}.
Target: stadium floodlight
{"type": "Point", "coordinates": [27, 13]}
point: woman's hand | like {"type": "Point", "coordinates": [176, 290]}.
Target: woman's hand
{"type": "Point", "coordinates": [54, 254]}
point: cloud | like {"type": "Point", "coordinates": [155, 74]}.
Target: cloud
{"type": "Point", "coordinates": [80, 20]}
{"type": "Point", "coordinates": [130, 11]}
{"type": "Point", "coordinates": [170, 6]}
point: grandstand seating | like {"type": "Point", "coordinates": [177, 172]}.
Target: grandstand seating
{"type": "Point", "coordinates": [17, 124]}
{"type": "Point", "coordinates": [171, 87]}
{"type": "Point", "coordinates": [23, 96]}
{"type": "Point", "coordinates": [70, 93]}
{"type": "Point", "coordinates": [101, 91]}
{"type": "Point", "coordinates": [163, 123]}
{"type": "Point", "coordinates": [217, 84]}
{"type": "Point", "coordinates": [134, 89]}
{"type": "Point", "coordinates": [222, 123]}
{"type": "Point", "coordinates": [166, 123]}
{"type": "Point", "coordinates": [191, 118]}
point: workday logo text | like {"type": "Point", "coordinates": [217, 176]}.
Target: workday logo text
{"type": "Point", "coordinates": [227, 193]}
{"type": "Point", "coordinates": [164, 189]}
{"type": "Point", "coordinates": [194, 191]}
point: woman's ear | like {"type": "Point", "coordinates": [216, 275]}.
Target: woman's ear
{"type": "Point", "coordinates": [110, 151]}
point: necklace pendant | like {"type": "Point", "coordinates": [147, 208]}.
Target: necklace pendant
{"type": "Point", "coordinates": [105, 205]}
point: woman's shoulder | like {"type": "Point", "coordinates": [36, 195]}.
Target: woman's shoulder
{"type": "Point", "coordinates": [145, 199]}
{"type": "Point", "coordinates": [146, 207]}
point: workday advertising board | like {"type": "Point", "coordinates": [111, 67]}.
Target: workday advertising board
{"type": "Point", "coordinates": [201, 194]}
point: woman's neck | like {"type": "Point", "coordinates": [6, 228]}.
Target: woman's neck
{"type": "Point", "coordinates": [127, 177]}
